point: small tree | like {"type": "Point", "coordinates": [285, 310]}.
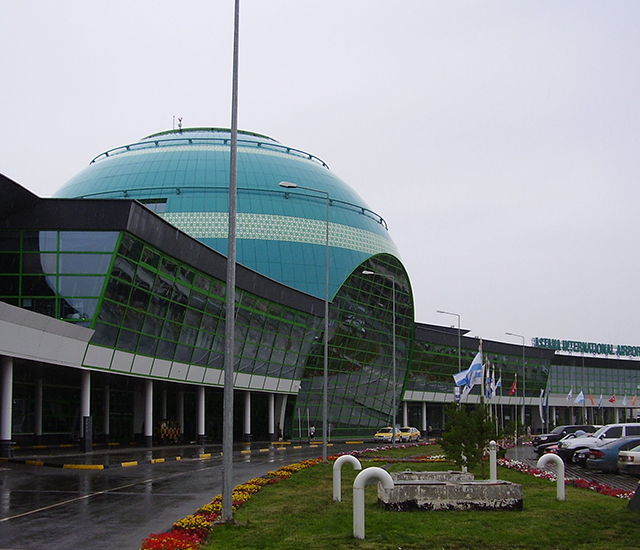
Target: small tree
{"type": "Point", "coordinates": [467, 435]}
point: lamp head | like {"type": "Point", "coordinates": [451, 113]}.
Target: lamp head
{"type": "Point", "coordinates": [288, 184]}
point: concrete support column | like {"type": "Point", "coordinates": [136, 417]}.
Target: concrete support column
{"type": "Point", "coordinates": [86, 428]}
{"type": "Point", "coordinates": [405, 413]}
{"type": "Point", "coordinates": [180, 413]}
{"type": "Point", "coordinates": [106, 412]}
{"type": "Point", "coordinates": [423, 428]}
{"type": "Point", "coordinates": [280, 409]}
{"type": "Point", "coordinates": [271, 417]}
{"type": "Point", "coordinates": [37, 412]}
{"type": "Point", "coordinates": [163, 404]}
{"type": "Point", "coordinates": [617, 410]}
{"type": "Point", "coordinates": [6, 406]}
{"type": "Point", "coordinates": [200, 421]}
{"type": "Point", "coordinates": [147, 432]}
{"type": "Point", "coordinates": [247, 417]}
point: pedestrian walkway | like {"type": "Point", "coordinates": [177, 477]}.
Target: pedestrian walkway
{"type": "Point", "coordinates": [124, 456]}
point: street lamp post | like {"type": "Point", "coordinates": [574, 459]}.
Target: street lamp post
{"type": "Point", "coordinates": [524, 383]}
{"type": "Point", "coordinates": [459, 348]}
{"type": "Point", "coordinates": [230, 298]}
{"type": "Point", "coordinates": [393, 348]}
{"type": "Point", "coordinates": [325, 370]}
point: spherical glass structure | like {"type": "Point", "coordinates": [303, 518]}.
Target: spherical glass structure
{"type": "Point", "coordinates": [184, 176]}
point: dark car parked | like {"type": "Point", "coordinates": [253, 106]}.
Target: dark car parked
{"type": "Point", "coordinates": [560, 431]}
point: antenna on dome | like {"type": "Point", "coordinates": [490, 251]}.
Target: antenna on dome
{"type": "Point", "coordinates": [180, 124]}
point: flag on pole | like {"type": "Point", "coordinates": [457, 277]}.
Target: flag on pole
{"type": "Point", "coordinates": [475, 370]}
{"type": "Point", "coordinates": [600, 402]}
{"type": "Point", "coordinates": [570, 396]}
{"type": "Point", "coordinates": [488, 391]}
{"type": "Point", "coordinates": [612, 399]}
{"type": "Point", "coordinates": [461, 377]}
{"type": "Point", "coordinates": [514, 386]}
{"type": "Point", "coordinates": [633, 401]}
{"type": "Point", "coordinates": [471, 376]}
{"type": "Point", "coordinates": [580, 398]}
{"type": "Point", "coordinates": [541, 406]}
{"type": "Point", "coordinates": [593, 403]}
{"type": "Point", "coordinates": [493, 382]}
{"type": "Point", "coordinates": [624, 400]}
{"type": "Point", "coordinates": [465, 391]}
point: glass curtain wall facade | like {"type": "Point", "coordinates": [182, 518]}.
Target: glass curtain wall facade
{"type": "Point", "coordinates": [141, 301]}
{"type": "Point", "coordinates": [361, 391]}
{"type": "Point", "coordinates": [433, 366]}
{"type": "Point", "coordinates": [604, 382]}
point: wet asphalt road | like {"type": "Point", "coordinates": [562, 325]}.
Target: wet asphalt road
{"type": "Point", "coordinates": [48, 508]}
{"type": "Point", "coordinates": [45, 508]}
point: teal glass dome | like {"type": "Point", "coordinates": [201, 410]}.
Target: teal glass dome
{"type": "Point", "coordinates": [183, 175]}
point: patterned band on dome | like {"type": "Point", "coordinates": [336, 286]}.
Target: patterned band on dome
{"type": "Point", "coordinates": [268, 227]}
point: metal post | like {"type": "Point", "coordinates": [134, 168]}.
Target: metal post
{"type": "Point", "coordinates": [524, 384]}
{"type": "Point", "coordinates": [227, 426]}
{"type": "Point", "coordinates": [325, 370]}
{"type": "Point", "coordinates": [395, 382]}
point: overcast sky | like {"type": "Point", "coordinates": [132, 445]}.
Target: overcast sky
{"type": "Point", "coordinates": [499, 139]}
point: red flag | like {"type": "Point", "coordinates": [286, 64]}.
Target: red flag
{"type": "Point", "coordinates": [612, 399]}
{"type": "Point", "coordinates": [593, 403]}
{"type": "Point", "coordinates": [633, 401]}
{"type": "Point", "coordinates": [514, 385]}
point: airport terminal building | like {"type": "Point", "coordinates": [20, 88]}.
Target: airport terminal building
{"type": "Point", "coordinates": [112, 309]}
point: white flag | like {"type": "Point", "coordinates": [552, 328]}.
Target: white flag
{"type": "Point", "coordinates": [475, 370]}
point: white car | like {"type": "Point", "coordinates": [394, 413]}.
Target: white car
{"type": "Point", "coordinates": [629, 461]}
{"type": "Point", "coordinates": [567, 448]}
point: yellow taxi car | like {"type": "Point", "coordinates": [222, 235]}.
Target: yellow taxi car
{"type": "Point", "coordinates": [386, 435]}
{"type": "Point", "coordinates": [409, 433]}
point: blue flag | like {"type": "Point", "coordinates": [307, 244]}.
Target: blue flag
{"type": "Point", "coordinates": [475, 370]}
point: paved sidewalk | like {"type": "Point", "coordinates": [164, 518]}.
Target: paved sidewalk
{"type": "Point", "coordinates": [119, 456]}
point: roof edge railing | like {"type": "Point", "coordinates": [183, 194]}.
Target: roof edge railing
{"type": "Point", "coordinates": [178, 189]}
{"type": "Point", "coordinates": [173, 142]}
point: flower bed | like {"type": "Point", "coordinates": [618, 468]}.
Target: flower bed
{"type": "Point", "coordinates": [573, 482]}
{"type": "Point", "coordinates": [189, 533]}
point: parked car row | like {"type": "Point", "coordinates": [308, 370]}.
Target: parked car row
{"type": "Point", "coordinates": [402, 435]}
{"type": "Point", "coordinates": [610, 448]}
{"type": "Point", "coordinates": [559, 432]}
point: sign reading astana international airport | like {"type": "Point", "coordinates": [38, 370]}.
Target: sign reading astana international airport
{"type": "Point", "coordinates": [594, 348]}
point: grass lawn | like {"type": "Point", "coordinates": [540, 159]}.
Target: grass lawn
{"type": "Point", "coordinates": [299, 513]}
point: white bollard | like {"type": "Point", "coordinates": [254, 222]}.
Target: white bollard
{"type": "Point", "coordinates": [550, 457]}
{"type": "Point", "coordinates": [358, 495]}
{"type": "Point", "coordinates": [337, 475]}
{"type": "Point", "coordinates": [493, 461]}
